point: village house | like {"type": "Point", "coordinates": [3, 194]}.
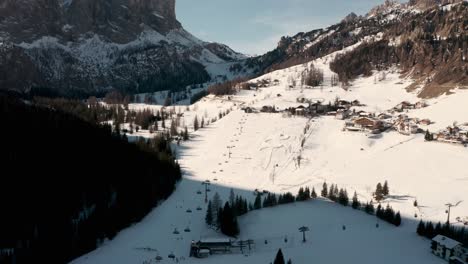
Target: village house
{"type": "Point", "coordinates": [365, 124]}
{"type": "Point", "coordinates": [342, 114]}
{"type": "Point", "coordinates": [406, 127]}
{"type": "Point", "coordinates": [318, 108]}
{"type": "Point", "coordinates": [455, 135]}
{"type": "Point", "coordinates": [425, 122]}
{"type": "Point", "coordinates": [420, 104]}
{"type": "Point", "coordinates": [449, 249]}
{"type": "Point", "coordinates": [206, 247]}
{"type": "Point", "coordinates": [268, 109]}
{"type": "Point", "coordinates": [248, 110]}
{"type": "Point", "coordinates": [300, 110]}
{"type": "Point", "coordinates": [384, 116]}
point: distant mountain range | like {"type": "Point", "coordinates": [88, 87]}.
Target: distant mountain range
{"type": "Point", "coordinates": [83, 47]}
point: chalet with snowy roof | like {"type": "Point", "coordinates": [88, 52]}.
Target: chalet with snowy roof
{"type": "Point", "coordinates": [449, 249]}
{"type": "Point", "coordinates": [425, 122]}
{"type": "Point", "coordinates": [300, 110]}
{"type": "Point", "coordinates": [384, 116]}
{"type": "Point", "coordinates": [318, 108]}
{"type": "Point", "coordinates": [455, 135]}
{"type": "Point", "coordinates": [342, 114]}
{"type": "Point", "coordinates": [365, 124]}
{"type": "Point", "coordinates": [209, 246]}
{"type": "Point", "coordinates": [406, 127]}
{"type": "Point", "coordinates": [420, 104]}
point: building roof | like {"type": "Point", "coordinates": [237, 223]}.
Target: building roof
{"type": "Point", "coordinates": [215, 240]}
{"type": "Point", "coordinates": [445, 241]}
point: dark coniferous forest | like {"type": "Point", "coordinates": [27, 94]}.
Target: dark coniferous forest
{"type": "Point", "coordinates": [68, 184]}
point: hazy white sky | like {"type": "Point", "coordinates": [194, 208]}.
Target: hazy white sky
{"type": "Point", "coordinates": [255, 26]}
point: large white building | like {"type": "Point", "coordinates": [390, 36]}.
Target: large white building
{"type": "Point", "coordinates": [449, 249]}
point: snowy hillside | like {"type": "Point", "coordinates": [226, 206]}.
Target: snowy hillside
{"type": "Point", "coordinates": [248, 151]}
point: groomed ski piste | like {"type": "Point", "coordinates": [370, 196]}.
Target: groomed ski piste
{"type": "Point", "coordinates": [248, 151]}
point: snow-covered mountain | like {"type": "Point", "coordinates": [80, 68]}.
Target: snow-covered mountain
{"type": "Point", "coordinates": [426, 39]}
{"type": "Point", "coordinates": [87, 46]}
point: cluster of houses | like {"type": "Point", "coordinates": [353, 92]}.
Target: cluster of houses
{"type": "Point", "coordinates": [449, 249]}
{"type": "Point", "coordinates": [453, 134]}
{"type": "Point", "coordinates": [392, 119]}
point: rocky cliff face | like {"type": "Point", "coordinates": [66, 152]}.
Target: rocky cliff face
{"type": "Point", "coordinates": [88, 46]}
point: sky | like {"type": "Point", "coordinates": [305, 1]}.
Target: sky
{"type": "Point", "coordinates": [255, 26]}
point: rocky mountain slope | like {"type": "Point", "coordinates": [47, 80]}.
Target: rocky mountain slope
{"type": "Point", "coordinates": [80, 47]}
{"type": "Point", "coordinates": [426, 39]}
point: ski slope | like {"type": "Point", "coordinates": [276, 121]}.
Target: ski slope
{"type": "Point", "coordinates": [260, 151]}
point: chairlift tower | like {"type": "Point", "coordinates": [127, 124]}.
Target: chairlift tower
{"type": "Point", "coordinates": [450, 205]}
{"type": "Point", "coordinates": [206, 183]}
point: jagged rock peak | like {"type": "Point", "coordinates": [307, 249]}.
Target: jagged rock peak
{"type": "Point", "coordinates": [118, 20]}
{"type": "Point", "coordinates": [350, 18]}
{"type": "Point", "coordinates": [384, 8]}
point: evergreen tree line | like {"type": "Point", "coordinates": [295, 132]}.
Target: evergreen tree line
{"type": "Point", "coordinates": [197, 96]}
{"type": "Point", "coordinates": [388, 215]}
{"type": "Point", "coordinates": [228, 87]}
{"type": "Point", "coordinates": [340, 195]}
{"type": "Point", "coordinates": [381, 191]}
{"type": "Point", "coordinates": [429, 230]}
{"type": "Point", "coordinates": [68, 184]}
{"type": "Point", "coordinates": [225, 218]}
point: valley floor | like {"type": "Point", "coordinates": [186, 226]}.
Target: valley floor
{"type": "Point", "coordinates": [260, 151]}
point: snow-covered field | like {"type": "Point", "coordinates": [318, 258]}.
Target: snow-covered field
{"type": "Point", "coordinates": [264, 149]}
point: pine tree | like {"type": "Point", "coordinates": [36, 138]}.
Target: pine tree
{"type": "Point", "coordinates": [438, 229]}
{"type": "Point", "coordinates": [232, 197]}
{"type": "Point", "coordinates": [307, 193]}
{"type": "Point", "coordinates": [229, 225]}
{"type": "Point", "coordinates": [421, 230]}
{"type": "Point", "coordinates": [430, 232]}
{"type": "Point", "coordinates": [389, 214]}
{"type": "Point", "coordinates": [379, 212]}
{"type": "Point", "coordinates": [415, 203]}
{"type": "Point", "coordinates": [279, 259]}
{"type": "Point", "coordinates": [173, 128]}
{"type": "Point", "coordinates": [209, 215]}
{"type": "Point", "coordinates": [289, 261]}
{"type": "Point", "coordinates": [258, 202]}
{"type": "Point", "coordinates": [428, 136]}
{"type": "Point", "coordinates": [397, 219]}
{"type": "Point", "coordinates": [385, 189]}
{"type": "Point", "coordinates": [371, 207]}
{"type": "Point", "coordinates": [216, 206]}
{"type": "Point", "coordinates": [343, 197]}
{"type": "Point", "coordinates": [202, 123]}
{"type": "Point", "coordinates": [195, 123]}
{"type": "Point", "coordinates": [378, 192]}
{"type": "Point", "coordinates": [186, 134]}
{"type": "Point", "coordinates": [355, 203]}
{"type": "Point", "coordinates": [300, 195]}
{"type": "Point", "coordinates": [331, 193]}
{"type": "Point", "coordinates": [313, 194]}
{"type": "Point", "coordinates": [324, 192]}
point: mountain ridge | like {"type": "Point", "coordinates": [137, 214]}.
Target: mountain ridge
{"type": "Point", "coordinates": [84, 47]}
